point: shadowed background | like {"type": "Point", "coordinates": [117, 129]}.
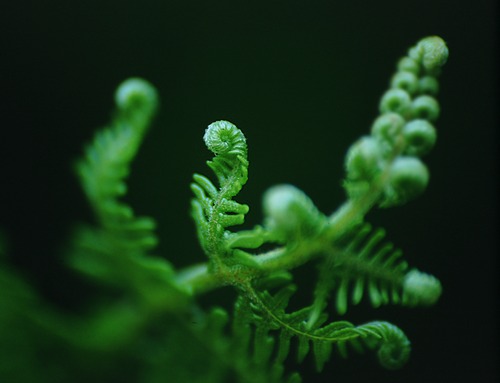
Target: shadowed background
{"type": "Point", "coordinates": [302, 80]}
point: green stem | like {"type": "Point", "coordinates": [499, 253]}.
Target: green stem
{"type": "Point", "coordinates": [197, 279]}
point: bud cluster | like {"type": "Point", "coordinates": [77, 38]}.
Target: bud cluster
{"type": "Point", "coordinates": [404, 130]}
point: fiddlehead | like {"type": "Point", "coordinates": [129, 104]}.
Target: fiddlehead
{"type": "Point", "coordinates": [230, 164]}
{"type": "Point", "coordinates": [213, 209]}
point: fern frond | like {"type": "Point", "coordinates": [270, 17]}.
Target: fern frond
{"type": "Point", "coordinates": [113, 250]}
{"type": "Point", "coordinates": [361, 263]}
{"type": "Point", "coordinates": [105, 166]}
{"type": "Point", "coordinates": [269, 314]}
{"type": "Point", "coordinates": [119, 235]}
{"type": "Point", "coordinates": [213, 208]}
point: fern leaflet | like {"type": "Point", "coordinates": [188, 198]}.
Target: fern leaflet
{"type": "Point", "coordinates": [362, 262]}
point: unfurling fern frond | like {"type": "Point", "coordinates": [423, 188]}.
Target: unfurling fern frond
{"type": "Point", "coordinates": [114, 250]}
{"type": "Point", "coordinates": [362, 262]}
{"type": "Point", "coordinates": [268, 314]}
{"type": "Point", "coordinates": [213, 209]}
{"type": "Point", "coordinates": [230, 163]}
{"type": "Point", "coordinates": [105, 166]}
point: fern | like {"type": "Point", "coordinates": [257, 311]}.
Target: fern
{"type": "Point", "coordinates": [213, 209]}
{"type": "Point", "coordinates": [394, 346]}
{"type": "Point", "coordinates": [153, 306]}
{"type": "Point", "coordinates": [106, 164]}
{"type": "Point", "coordinates": [115, 251]}
{"type": "Point", "coordinates": [367, 264]}
{"type": "Point", "coordinates": [383, 169]}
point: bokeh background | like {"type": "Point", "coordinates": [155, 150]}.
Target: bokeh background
{"type": "Point", "coordinates": [302, 79]}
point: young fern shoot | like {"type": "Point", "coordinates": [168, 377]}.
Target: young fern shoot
{"type": "Point", "coordinates": [156, 310]}
{"type": "Point", "coordinates": [384, 169]}
{"type": "Point", "coordinates": [148, 321]}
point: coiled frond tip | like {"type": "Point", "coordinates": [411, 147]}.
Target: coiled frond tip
{"type": "Point", "coordinates": [136, 92]}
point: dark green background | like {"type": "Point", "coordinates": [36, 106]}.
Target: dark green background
{"type": "Point", "coordinates": [302, 79]}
